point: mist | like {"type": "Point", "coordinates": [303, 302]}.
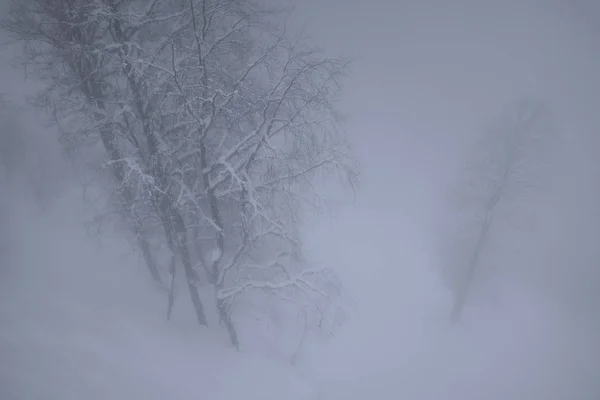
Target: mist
{"type": "Point", "coordinates": [80, 317]}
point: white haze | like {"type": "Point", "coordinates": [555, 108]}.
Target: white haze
{"type": "Point", "coordinates": [75, 322]}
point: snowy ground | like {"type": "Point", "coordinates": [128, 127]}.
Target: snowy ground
{"type": "Point", "coordinates": [523, 356]}
{"type": "Point", "coordinates": [514, 344]}
{"type": "Point", "coordinates": [77, 322]}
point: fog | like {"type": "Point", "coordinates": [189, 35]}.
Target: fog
{"type": "Point", "coordinates": [429, 78]}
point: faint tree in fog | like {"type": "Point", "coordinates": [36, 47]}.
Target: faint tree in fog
{"type": "Point", "coordinates": [216, 122]}
{"type": "Point", "coordinates": [500, 173]}
{"type": "Point", "coordinates": [62, 49]}
{"type": "Point", "coordinates": [12, 139]}
{"type": "Point", "coordinates": [23, 158]}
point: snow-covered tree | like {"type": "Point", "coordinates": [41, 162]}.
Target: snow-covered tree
{"type": "Point", "coordinates": [215, 121]}
{"type": "Point", "coordinates": [63, 47]}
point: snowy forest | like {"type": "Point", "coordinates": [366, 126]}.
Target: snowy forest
{"type": "Point", "coordinates": [252, 199]}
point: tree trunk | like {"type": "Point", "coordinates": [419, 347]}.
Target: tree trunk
{"type": "Point", "coordinates": [172, 270]}
{"type": "Point", "coordinates": [163, 202]}
{"type": "Point", "coordinates": [463, 290]}
{"type": "Point", "coordinates": [108, 137]}
{"type": "Point", "coordinates": [228, 322]}
{"type": "Point", "coordinates": [150, 263]}
{"type": "Point", "coordinates": [190, 275]}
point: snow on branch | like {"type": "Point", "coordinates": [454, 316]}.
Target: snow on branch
{"type": "Point", "coordinates": [299, 281]}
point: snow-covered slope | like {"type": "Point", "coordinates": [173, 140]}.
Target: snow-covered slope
{"type": "Point", "coordinates": [513, 342]}
{"type": "Point", "coordinates": [80, 321]}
